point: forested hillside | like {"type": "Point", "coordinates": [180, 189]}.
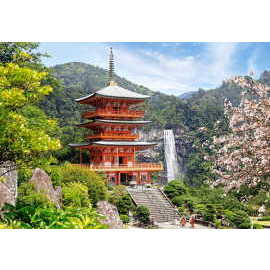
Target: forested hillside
{"type": "Point", "coordinates": [202, 109]}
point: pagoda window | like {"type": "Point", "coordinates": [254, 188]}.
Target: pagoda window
{"type": "Point", "coordinates": [116, 106]}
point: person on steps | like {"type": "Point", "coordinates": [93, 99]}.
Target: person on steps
{"type": "Point", "coordinates": [192, 221]}
{"type": "Point", "coordinates": [183, 221]}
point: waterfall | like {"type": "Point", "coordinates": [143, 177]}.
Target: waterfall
{"type": "Point", "coordinates": [170, 155]}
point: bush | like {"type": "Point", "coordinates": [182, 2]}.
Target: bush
{"type": "Point", "coordinates": [257, 226]}
{"type": "Point", "coordinates": [124, 204]}
{"type": "Point", "coordinates": [75, 195]}
{"type": "Point", "coordinates": [55, 172]}
{"type": "Point", "coordinates": [210, 213]}
{"type": "Point", "coordinates": [175, 188]}
{"type": "Point", "coordinates": [97, 190]}
{"type": "Point", "coordinates": [52, 218]}
{"type": "Point", "coordinates": [24, 175]}
{"type": "Point", "coordinates": [246, 225]}
{"type": "Point", "coordinates": [28, 196]}
{"type": "Point", "coordinates": [117, 192]}
{"type": "Point", "coordinates": [124, 218]}
{"type": "Point", "coordinates": [237, 218]}
{"type": "Point", "coordinates": [142, 213]}
{"type": "Point", "coordinates": [264, 219]}
{"type": "Point", "coordinates": [186, 201]}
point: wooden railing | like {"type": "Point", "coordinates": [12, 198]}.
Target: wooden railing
{"type": "Point", "coordinates": [125, 167]}
{"type": "Point", "coordinates": [113, 113]}
{"type": "Point", "coordinates": [113, 136]}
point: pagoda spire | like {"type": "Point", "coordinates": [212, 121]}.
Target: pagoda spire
{"type": "Point", "coordinates": [111, 69]}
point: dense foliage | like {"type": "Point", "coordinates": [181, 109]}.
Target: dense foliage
{"type": "Point", "coordinates": [76, 181]}
{"type": "Point", "coordinates": [142, 213]}
{"type": "Point", "coordinates": [212, 204]}
{"type": "Point", "coordinates": [80, 191]}
{"type": "Point", "coordinates": [23, 84]}
{"type": "Point", "coordinates": [185, 117]}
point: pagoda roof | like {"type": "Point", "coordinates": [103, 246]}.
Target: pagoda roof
{"type": "Point", "coordinates": [114, 143]}
{"type": "Point", "coordinates": [114, 91]}
{"type": "Point", "coordinates": [136, 122]}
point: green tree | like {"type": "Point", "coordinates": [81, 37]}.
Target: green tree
{"type": "Point", "coordinates": [142, 213]}
{"type": "Point", "coordinates": [26, 135]}
{"type": "Point", "coordinates": [20, 52]}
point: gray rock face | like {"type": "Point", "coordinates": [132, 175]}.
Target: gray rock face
{"type": "Point", "coordinates": [43, 183]}
{"type": "Point", "coordinates": [157, 153]}
{"type": "Point", "coordinates": [111, 215]}
{"type": "Point", "coordinates": [8, 187]}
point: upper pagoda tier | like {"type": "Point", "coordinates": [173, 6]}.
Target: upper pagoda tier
{"type": "Point", "coordinates": [113, 102]}
{"type": "Point", "coordinates": [112, 92]}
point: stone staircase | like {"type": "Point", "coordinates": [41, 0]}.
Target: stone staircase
{"type": "Point", "coordinates": [161, 209]}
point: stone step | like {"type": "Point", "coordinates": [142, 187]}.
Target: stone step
{"type": "Point", "coordinates": [160, 208]}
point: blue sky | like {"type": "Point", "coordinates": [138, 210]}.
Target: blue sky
{"type": "Point", "coordinates": [171, 68]}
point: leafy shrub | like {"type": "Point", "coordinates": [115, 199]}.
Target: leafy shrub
{"type": "Point", "coordinates": [29, 217]}
{"type": "Point", "coordinates": [245, 225]}
{"type": "Point", "coordinates": [24, 175]}
{"type": "Point", "coordinates": [257, 226]}
{"type": "Point", "coordinates": [186, 201]}
{"type": "Point", "coordinates": [175, 188]}
{"type": "Point", "coordinates": [28, 196]}
{"type": "Point", "coordinates": [182, 210]}
{"type": "Point", "coordinates": [117, 192]}
{"type": "Point", "coordinates": [210, 213]}
{"type": "Point", "coordinates": [124, 204]}
{"type": "Point", "coordinates": [237, 218]}
{"type": "Point", "coordinates": [142, 213]}
{"type": "Point", "coordinates": [121, 199]}
{"type": "Point", "coordinates": [264, 219]}
{"type": "Point", "coordinates": [97, 190]}
{"type": "Point", "coordinates": [55, 172]}
{"type": "Point", "coordinates": [124, 218]}
{"type": "Point", "coordinates": [76, 195]}
{"type": "Point", "coordinates": [218, 224]}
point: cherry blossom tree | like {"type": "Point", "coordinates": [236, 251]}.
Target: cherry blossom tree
{"type": "Point", "coordinates": [243, 155]}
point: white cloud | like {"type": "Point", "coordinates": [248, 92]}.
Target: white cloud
{"type": "Point", "coordinates": [164, 72]}
{"type": "Point", "coordinates": [175, 75]}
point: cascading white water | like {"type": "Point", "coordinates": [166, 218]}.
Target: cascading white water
{"type": "Point", "coordinates": [170, 155]}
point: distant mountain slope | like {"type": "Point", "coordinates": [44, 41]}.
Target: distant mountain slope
{"type": "Point", "coordinates": [184, 116]}
{"type": "Point", "coordinates": [187, 95]}
{"type": "Point", "coordinates": [79, 79]}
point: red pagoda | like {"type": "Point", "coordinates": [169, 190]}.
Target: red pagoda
{"type": "Point", "coordinates": [113, 143]}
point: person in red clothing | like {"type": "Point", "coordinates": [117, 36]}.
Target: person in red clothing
{"type": "Point", "coordinates": [183, 221]}
{"type": "Point", "coordinates": [192, 221]}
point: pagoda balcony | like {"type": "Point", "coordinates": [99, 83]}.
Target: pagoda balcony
{"type": "Point", "coordinates": [145, 166]}
{"type": "Point", "coordinates": [113, 113]}
{"type": "Point", "coordinates": [113, 136]}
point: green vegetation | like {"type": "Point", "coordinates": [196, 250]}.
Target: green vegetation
{"type": "Point", "coordinates": [212, 204]}
{"type": "Point", "coordinates": [94, 183]}
{"type": "Point", "coordinates": [121, 199]}
{"type": "Point", "coordinates": [142, 214]}
{"type": "Point", "coordinates": [124, 218]}
{"type": "Point", "coordinates": [80, 190]}
{"type": "Point", "coordinates": [37, 112]}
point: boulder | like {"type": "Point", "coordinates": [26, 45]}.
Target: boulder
{"type": "Point", "coordinates": [43, 183]}
{"type": "Point", "coordinates": [8, 184]}
{"type": "Point", "coordinates": [111, 214]}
